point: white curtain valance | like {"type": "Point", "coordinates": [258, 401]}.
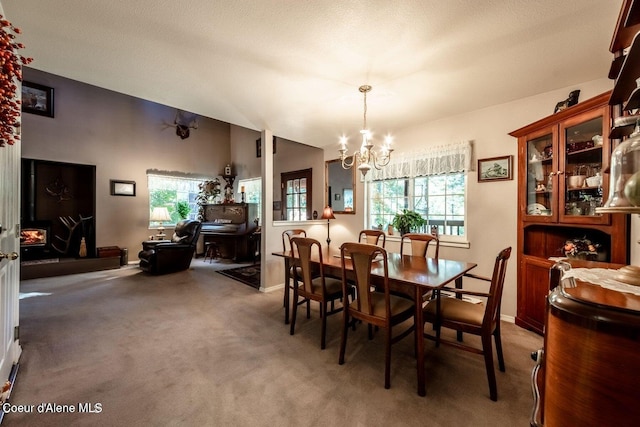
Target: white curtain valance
{"type": "Point", "coordinates": [436, 160]}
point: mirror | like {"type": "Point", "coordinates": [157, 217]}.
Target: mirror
{"type": "Point", "coordinates": [340, 187]}
{"type": "Point", "coordinates": [289, 157]}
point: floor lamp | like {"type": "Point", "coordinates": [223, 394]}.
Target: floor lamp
{"type": "Point", "coordinates": [327, 214]}
{"type": "Point", "coordinates": [160, 215]}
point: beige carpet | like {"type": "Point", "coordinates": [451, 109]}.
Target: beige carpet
{"type": "Point", "coordinates": [196, 348]}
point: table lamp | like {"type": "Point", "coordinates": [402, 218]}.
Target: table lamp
{"type": "Point", "coordinates": [327, 214]}
{"type": "Point", "coordinates": [160, 215]}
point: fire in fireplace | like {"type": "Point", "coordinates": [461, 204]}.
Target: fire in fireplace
{"type": "Point", "coordinates": [33, 237]}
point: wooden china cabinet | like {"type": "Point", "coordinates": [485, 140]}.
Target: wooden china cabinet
{"type": "Point", "coordinates": [562, 178]}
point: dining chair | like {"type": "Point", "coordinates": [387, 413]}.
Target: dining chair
{"type": "Point", "coordinates": [294, 271]}
{"type": "Point", "coordinates": [419, 243]}
{"type": "Point", "coordinates": [315, 286]}
{"type": "Point", "coordinates": [376, 308]}
{"type": "Point", "coordinates": [477, 318]}
{"type": "Point", "coordinates": [372, 237]}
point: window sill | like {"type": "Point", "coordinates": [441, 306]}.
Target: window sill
{"type": "Point", "coordinates": [443, 242]}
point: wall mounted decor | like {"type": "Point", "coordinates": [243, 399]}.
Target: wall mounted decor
{"type": "Point", "coordinates": [37, 99]}
{"type": "Point", "coordinates": [123, 188]}
{"type": "Point", "coordinates": [259, 146]}
{"type": "Point", "coordinates": [495, 169]}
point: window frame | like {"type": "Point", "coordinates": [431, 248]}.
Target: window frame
{"type": "Point", "coordinates": [194, 180]}
{"type": "Point", "coordinates": [293, 175]}
{"type": "Point", "coordinates": [446, 239]}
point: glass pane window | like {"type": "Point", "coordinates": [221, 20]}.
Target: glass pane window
{"type": "Point", "coordinates": [296, 192]}
{"type": "Point", "coordinates": [252, 192]}
{"type": "Point", "coordinates": [177, 194]}
{"type": "Point", "coordinates": [440, 199]}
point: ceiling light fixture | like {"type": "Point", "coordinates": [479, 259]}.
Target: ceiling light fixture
{"type": "Point", "coordinates": [366, 157]}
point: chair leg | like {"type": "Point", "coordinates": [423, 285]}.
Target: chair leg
{"type": "Point", "coordinates": [488, 362]}
{"type": "Point", "coordinates": [294, 311]}
{"type": "Point", "coordinates": [370, 327]}
{"type": "Point", "coordinates": [343, 340]}
{"type": "Point", "coordinates": [323, 309]}
{"type": "Point", "coordinates": [387, 359]}
{"type": "Point", "coordinates": [496, 335]}
{"type": "Point", "coordinates": [309, 309]}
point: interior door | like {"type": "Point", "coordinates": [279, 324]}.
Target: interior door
{"type": "Point", "coordinates": [9, 250]}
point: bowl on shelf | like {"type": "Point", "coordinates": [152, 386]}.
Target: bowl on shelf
{"type": "Point", "coordinates": [594, 181]}
{"type": "Point", "coordinates": [576, 181]}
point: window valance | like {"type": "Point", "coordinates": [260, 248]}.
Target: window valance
{"type": "Point", "coordinates": [433, 161]}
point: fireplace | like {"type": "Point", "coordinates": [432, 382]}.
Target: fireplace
{"type": "Point", "coordinates": [35, 240]}
{"type": "Point", "coordinates": [58, 209]}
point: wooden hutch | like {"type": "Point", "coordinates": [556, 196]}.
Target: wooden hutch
{"type": "Point", "coordinates": [563, 161]}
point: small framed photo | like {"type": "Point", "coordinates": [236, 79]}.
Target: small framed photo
{"type": "Point", "coordinates": [123, 188]}
{"type": "Point", "coordinates": [495, 169]}
{"type": "Point", "coordinates": [37, 99]}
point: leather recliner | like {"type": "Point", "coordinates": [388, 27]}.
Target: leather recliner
{"type": "Point", "coordinates": [167, 256]}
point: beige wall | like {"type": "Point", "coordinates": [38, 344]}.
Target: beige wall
{"type": "Point", "coordinates": [123, 137]}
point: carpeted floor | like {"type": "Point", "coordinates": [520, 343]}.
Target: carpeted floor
{"type": "Point", "coordinates": [249, 275]}
{"type": "Point", "coordinates": [195, 348]}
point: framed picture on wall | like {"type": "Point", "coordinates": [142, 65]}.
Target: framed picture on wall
{"type": "Point", "coordinates": [123, 188]}
{"type": "Point", "coordinates": [259, 146]}
{"type": "Point", "coordinates": [495, 169]}
{"type": "Point", "coordinates": [37, 99]}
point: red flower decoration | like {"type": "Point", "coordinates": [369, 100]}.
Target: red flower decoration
{"type": "Point", "coordinates": [11, 64]}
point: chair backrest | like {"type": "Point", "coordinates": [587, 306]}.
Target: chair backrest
{"type": "Point", "coordinates": [362, 256]}
{"type": "Point", "coordinates": [187, 232]}
{"type": "Point", "coordinates": [304, 249]}
{"type": "Point", "coordinates": [288, 234]}
{"type": "Point", "coordinates": [492, 310]}
{"type": "Point", "coordinates": [372, 237]}
{"type": "Point", "coordinates": [420, 243]}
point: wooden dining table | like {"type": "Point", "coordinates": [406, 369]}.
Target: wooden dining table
{"type": "Point", "coordinates": [411, 275]}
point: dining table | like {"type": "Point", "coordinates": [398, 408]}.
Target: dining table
{"type": "Point", "coordinates": [411, 275]}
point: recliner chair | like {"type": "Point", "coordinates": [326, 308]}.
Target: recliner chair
{"type": "Point", "coordinates": [167, 256]}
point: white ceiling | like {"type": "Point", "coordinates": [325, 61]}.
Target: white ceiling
{"type": "Point", "coordinates": [294, 66]}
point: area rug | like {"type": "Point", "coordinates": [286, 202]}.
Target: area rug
{"type": "Point", "coordinates": [249, 275]}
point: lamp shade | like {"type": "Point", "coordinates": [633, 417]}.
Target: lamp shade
{"type": "Point", "coordinates": [160, 214]}
{"type": "Point", "coordinates": [327, 213]}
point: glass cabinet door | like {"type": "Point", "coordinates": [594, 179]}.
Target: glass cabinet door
{"type": "Point", "coordinates": [582, 161]}
{"type": "Point", "coordinates": [541, 176]}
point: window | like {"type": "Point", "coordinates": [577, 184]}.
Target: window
{"type": "Point", "coordinates": [440, 199]}
{"type": "Point", "coordinates": [432, 183]}
{"type": "Point", "coordinates": [169, 191]}
{"type": "Point", "coordinates": [253, 193]}
{"type": "Point", "coordinates": [296, 191]}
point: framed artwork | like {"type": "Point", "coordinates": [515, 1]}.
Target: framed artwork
{"type": "Point", "coordinates": [495, 169]}
{"type": "Point", "coordinates": [37, 99]}
{"type": "Point", "coordinates": [123, 188]}
{"type": "Point", "coordinates": [259, 146]}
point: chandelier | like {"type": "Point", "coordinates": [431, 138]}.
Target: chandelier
{"type": "Point", "coordinates": [366, 157]}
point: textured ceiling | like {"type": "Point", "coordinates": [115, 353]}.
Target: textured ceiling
{"type": "Point", "coordinates": [294, 66]}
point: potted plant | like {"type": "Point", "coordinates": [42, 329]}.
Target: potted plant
{"type": "Point", "coordinates": [183, 209]}
{"type": "Point", "coordinates": [408, 221]}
